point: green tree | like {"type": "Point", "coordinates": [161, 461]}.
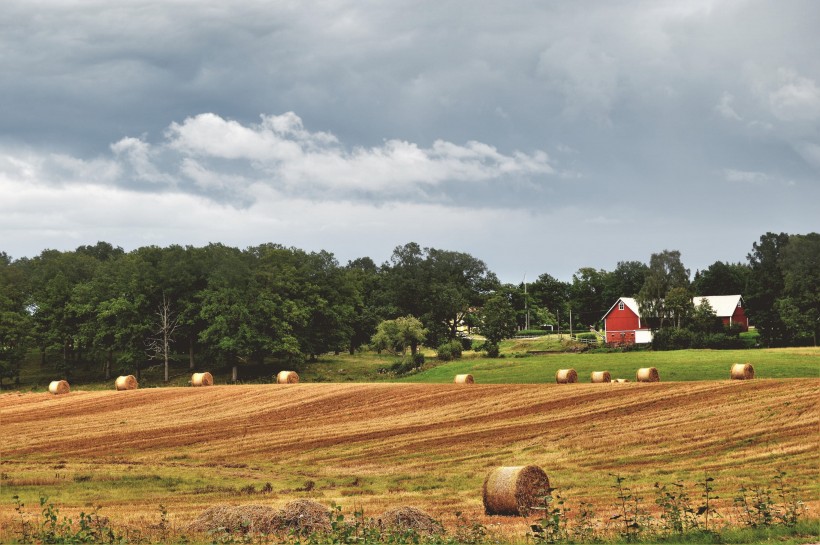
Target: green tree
{"type": "Point", "coordinates": [498, 322]}
{"type": "Point", "coordinates": [799, 308]}
{"type": "Point", "coordinates": [666, 271]}
{"type": "Point", "coordinates": [15, 321]}
{"type": "Point", "coordinates": [396, 335]}
{"type": "Point", "coordinates": [678, 306]}
{"type": "Point", "coordinates": [625, 281]}
{"type": "Point", "coordinates": [587, 293]}
{"type": "Point", "coordinates": [766, 286]}
{"type": "Point", "coordinates": [722, 279]}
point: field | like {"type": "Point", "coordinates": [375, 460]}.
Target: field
{"type": "Point", "coordinates": [383, 445]}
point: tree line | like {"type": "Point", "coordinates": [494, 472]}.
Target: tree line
{"type": "Point", "coordinates": [222, 305]}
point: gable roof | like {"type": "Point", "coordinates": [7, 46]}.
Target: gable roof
{"type": "Point", "coordinates": [723, 305]}
{"type": "Point", "coordinates": [629, 302]}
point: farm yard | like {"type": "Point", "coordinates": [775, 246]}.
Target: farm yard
{"type": "Point", "coordinates": [382, 445]}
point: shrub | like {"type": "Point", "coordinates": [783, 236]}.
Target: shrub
{"type": "Point", "coordinates": [449, 351]}
{"type": "Point", "coordinates": [466, 344]}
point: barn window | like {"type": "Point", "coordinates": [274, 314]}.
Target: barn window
{"type": "Point", "coordinates": [738, 304]}
{"type": "Point", "coordinates": [621, 305]}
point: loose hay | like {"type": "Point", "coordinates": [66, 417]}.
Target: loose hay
{"type": "Point", "coordinates": [304, 517]}
{"type": "Point", "coordinates": [599, 377]}
{"type": "Point", "coordinates": [410, 519]}
{"type": "Point", "coordinates": [287, 377]}
{"type": "Point", "coordinates": [58, 387]}
{"type": "Point", "coordinates": [647, 374]}
{"type": "Point", "coordinates": [464, 379]}
{"type": "Point", "coordinates": [202, 379]}
{"type": "Point", "coordinates": [515, 490]}
{"type": "Point", "coordinates": [566, 376]}
{"type": "Point", "coordinates": [126, 382]}
{"type": "Point", "coordinates": [237, 518]}
{"type": "Point", "coordinates": [742, 371]}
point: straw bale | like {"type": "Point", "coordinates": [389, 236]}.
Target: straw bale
{"type": "Point", "coordinates": [464, 379]}
{"type": "Point", "coordinates": [126, 382]}
{"type": "Point", "coordinates": [202, 379]}
{"type": "Point", "coordinates": [620, 380]}
{"type": "Point", "coordinates": [57, 387]}
{"type": "Point", "coordinates": [514, 490]}
{"type": "Point", "coordinates": [742, 371]}
{"type": "Point", "coordinates": [566, 376]}
{"type": "Point", "coordinates": [598, 377]}
{"type": "Point", "coordinates": [647, 374]}
{"type": "Point", "coordinates": [304, 517]}
{"type": "Point", "coordinates": [287, 377]}
{"type": "Point", "coordinates": [237, 518]}
{"type": "Point", "coordinates": [405, 519]}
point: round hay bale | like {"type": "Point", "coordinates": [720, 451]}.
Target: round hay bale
{"type": "Point", "coordinates": [742, 371]}
{"type": "Point", "coordinates": [620, 380]}
{"type": "Point", "coordinates": [600, 377]}
{"type": "Point", "coordinates": [515, 490]}
{"type": "Point", "coordinates": [58, 387]}
{"type": "Point", "coordinates": [410, 519]}
{"type": "Point", "coordinates": [202, 379]}
{"type": "Point", "coordinates": [126, 382]}
{"type": "Point", "coordinates": [647, 374]}
{"type": "Point", "coordinates": [287, 377]}
{"type": "Point", "coordinates": [304, 517]}
{"type": "Point", "coordinates": [566, 376]}
{"type": "Point", "coordinates": [464, 379]}
{"type": "Point", "coordinates": [242, 519]}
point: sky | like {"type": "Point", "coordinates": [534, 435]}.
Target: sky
{"type": "Point", "coordinates": [538, 136]}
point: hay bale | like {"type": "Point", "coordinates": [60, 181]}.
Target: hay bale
{"type": "Point", "coordinates": [599, 377]}
{"type": "Point", "coordinates": [58, 387]}
{"type": "Point", "coordinates": [742, 371]}
{"type": "Point", "coordinates": [515, 490]}
{"type": "Point", "coordinates": [620, 380]}
{"type": "Point", "coordinates": [237, 519]}
{"type": "Point", "coordinates": [464, 379]}
{"type": "Point", "coordinates": [647, 374]}
{"type": "Point", "coordinates": [287, 377]}
{"type": "Point", "coordinates": [126, 382]}
{"type": "Point", "coordinates": [202, 379]}
{"type": "Point", "coordinates": [304, 517]}
{"type": "Point", "coordinates": [566, 376]}
{"type": "Point", "coordinates": [401, 520]}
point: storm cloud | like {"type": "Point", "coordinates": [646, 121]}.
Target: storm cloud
{"type": "Point", "coordinates": [540, 137]}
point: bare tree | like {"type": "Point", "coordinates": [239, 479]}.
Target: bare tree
{"type": "Point", "coordinates": [159, 346]}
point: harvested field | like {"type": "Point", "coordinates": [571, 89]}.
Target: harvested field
{"type": "Point", "coordinates": [386, 445]}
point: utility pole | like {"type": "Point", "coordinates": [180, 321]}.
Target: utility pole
{"type": "Point", "coordinates": [526, 305]}
{"type": "Point", "coordinates": [570, 322]}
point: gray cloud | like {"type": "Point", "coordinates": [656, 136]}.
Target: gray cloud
{"type": "Point", "coordinates": [685, 117]}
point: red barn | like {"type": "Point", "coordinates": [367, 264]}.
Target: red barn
{"type": "Point", "coordinates": [729, 308]}
{"type": "Point", "coordinates": [623, 323]}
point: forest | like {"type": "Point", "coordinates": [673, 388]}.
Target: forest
{"type": "Point", "coordinates": [100, 305]}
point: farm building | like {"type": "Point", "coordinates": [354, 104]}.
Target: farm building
{"type": "Point", "coordinates": [623, 323]}
{"type": "Point", "coordinates": [729, 308]}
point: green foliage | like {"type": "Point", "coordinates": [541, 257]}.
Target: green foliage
{"type": "Point", "coordinates": [498, 320]}
{"type": "Point", "coordinates": [665, 273]}
{"type": "Point", "coordinates": [397, 335]}
{"type": "Point", "coordinates": [449, 351]}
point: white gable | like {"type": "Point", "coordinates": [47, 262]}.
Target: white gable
{"type": "Point", "coordinates": [632, 305]}
{"type": "Point", "coordinates": [723, 305]}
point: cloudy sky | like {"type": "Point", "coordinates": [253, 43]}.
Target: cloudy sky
{"type": "Point", "coordinates": [539, 136]}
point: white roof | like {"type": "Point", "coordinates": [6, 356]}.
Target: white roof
{"type": "Point", "coordinates": [723, 305]}
{"type": "Point", "coordinates": [630, 303]}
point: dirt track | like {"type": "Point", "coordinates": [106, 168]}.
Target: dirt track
{"type": "Point", "coordinates": [428, 445]}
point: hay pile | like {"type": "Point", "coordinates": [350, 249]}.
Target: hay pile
{"type": "Point", "coordinates": [515, 490]}
{"type": "Point", "coordinates": [464, 379]}
{"type": "Point", "coordinates": [237, 518]}
{"type": "Point", "coordinates": [304, 517]}
{"type": "Point", "coordinates": [647, 374]}
{"type": "Point", "coordinates": [599, 377]}
{"type": "Point", "coordinates": [202, 379]}
{"type": "Point", "coordinates": [126, 382]}
{"type": "Point", "coordinates": [566, 376]}
{"type": "Point", "coordinates": [287, 377]}
{"type": "Point", "coordinates": [58, 387]}
{"type": "Point", "coordinates": [742, 371]}
{"type": "Point", "coordinates": [406, 519]}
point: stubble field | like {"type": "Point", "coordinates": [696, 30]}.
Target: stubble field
{"type": "Point", "coordinates": [377, 446]}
